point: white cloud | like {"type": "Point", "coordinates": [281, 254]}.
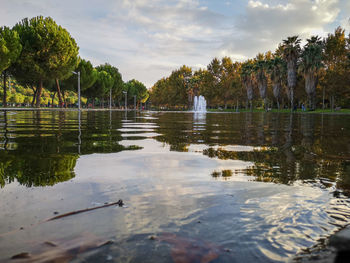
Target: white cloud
{"type": "Point", "coordinates": [264, 25]}
{"type": "Point", "coordinates": [257, 4]}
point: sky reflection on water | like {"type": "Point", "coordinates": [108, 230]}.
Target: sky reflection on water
{"type": "Point", "coordinates": [252, 187]}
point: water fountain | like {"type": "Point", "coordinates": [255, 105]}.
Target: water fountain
{"type": "Point", "coordinates": [200, 104]}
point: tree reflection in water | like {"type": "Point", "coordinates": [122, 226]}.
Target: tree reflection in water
{"type": "Point", "coordinates": [287, 147]}
{"type": "Point", "coordinates": [36, 169]}
{"type": "Point", "coordinates": [40, 148]}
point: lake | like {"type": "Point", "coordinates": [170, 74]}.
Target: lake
{"type": "Point", "coordinates": [196, 187]}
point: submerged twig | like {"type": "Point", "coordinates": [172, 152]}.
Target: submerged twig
{"type": "Point", "coordinates": [119, 203]}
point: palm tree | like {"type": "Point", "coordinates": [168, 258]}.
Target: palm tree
{"type": "Point", "coordinates": [291, 52]}
{"type": "Point", "coordinates": [277, 69]}
{"type": "Point", "coordinates": [312, 56]}
{"type": "Point", "coordinates": [260, 75]}
{"type": "Point", "coordinates": [248, 80]}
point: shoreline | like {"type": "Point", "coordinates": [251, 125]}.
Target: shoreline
{"type": "Point", "coordinates": [326, 112]}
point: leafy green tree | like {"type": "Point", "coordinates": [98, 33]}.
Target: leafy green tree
{"type": "Point", "coordinates": [158, 93]}
{"type": "Point", "coordinates": [238, 90]}
{"type": "Point", "coordinates": [10, 49]}
{"type": "Point", "coordinates": [118, 83]}
{"type": "Point", "coordinates": [248, 80]}
{"type": "Point", "coordinates": [291, 52]}
{"type": "Point", "coordinates": [277, 70]}
{"type": "Point", "coordinates": [177, 86]}
{"type": "Point", "coordinates": [204, 82]}
{"type": "Point", "coordinates": [260, 67]}
{"type": "Point", "coordinates": [174, 90]}
{"type": "Point", "coordinates": [17, 98]}
{"type": "Point", "coordinates": [312, 56]}
{"type": "Point", "coordinates": [137, 89]}
{"type": "Point", "coordinates": [215, 70]}
{"type": "Point", "coordinates": [49, 52]}
{"type": "Point", "coordinates": [336, 77]}
{"type": "Point", "coordinates": [227, 79]}
{"type": "Point", "coordinates": [100, 88]}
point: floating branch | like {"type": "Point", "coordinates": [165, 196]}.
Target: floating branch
{"type": "Point", "coordinates": [119, 203]}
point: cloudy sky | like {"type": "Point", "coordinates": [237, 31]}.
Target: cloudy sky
{"type": "Point", "coordinates": [147, 39]}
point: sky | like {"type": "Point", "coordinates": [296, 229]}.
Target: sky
{"type": "Point", "coordinates": [146, 40]}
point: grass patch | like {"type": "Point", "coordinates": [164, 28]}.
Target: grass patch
{"type": "Point", "coordinates": [329, 111]}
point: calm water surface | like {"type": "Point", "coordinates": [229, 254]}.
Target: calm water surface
{"type": "Point", "coordinates": [247, 187]}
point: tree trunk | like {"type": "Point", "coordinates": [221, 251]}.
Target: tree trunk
{"type": "Point", "coordinates": [277, 92]}
{"type": "Point", "coordinates": [59, 93]}
{"type": "Point", "coordinates": [292, 98]}
{"type": "Point", "coordinates": [53, 97]}
{"type": "Point", "coordinates": [189, 101]}
{"type": "Point", "coordinates": [34, 95]}
{"type": "Point", "coordinates": [38, 94]}
{"type": "Point", "coordinates": [250, 92]}
{"type": "Point", "coordinates": [64, 99]}
{"type": "Point", "coordinates": [262, 89]}
{"type": "Point", "coordinates": [310, 88]}
{"type": "Point", "coordinates": [292, 79]}
{"type": "Point", "coordinates": [4, 100]}
{"type": "Point", "coordinates": [323, 98]}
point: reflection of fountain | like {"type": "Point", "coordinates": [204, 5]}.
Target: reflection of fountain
{"type": "Point", "coordinates": [199, 117]}
{"type": "Point", "coordinates": [200, 104]}
{"type": "Point", "coordinates": [199, 126]}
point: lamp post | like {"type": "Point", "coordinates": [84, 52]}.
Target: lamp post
{"type": "Point", "coordinates": [134, 102]}
{"type": "Point", "coordinates": [126, 96]}
{"type": "Point", "coordinates": [78, 73]}
{"type": "Point", "coordinates": [110, 98]}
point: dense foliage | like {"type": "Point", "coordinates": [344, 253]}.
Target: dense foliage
{"type": "Point", "coordinates": [314, 76]}
{"type": "Point", "coordinates": [42, 60]}
{"type": "Point", "coordinates": [10, 48]}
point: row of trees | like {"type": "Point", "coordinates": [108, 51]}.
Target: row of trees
{"type": "Point", "coordinates": [17, 95]}
{"type": "Point", "coordinates": [38, 53]}
{"type": "Point", "coordinates": [317, 75]}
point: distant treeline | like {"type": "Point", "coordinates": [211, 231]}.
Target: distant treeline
{"type": "Point", "coordinates": [316, 75]}
{"type": "Point", "coordinates": [40, 57]}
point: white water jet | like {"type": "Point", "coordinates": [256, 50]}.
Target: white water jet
{"type": "Point", "coordinates": [200, 104]}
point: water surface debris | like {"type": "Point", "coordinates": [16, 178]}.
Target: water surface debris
{"type": "Point", "coordinates": [119, 203]}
